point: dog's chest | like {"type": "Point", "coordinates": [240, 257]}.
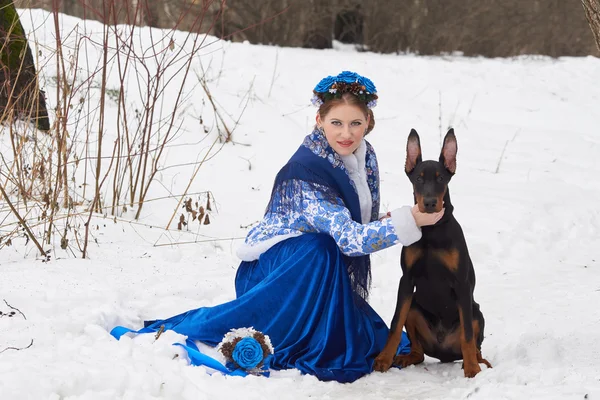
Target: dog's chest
{"type": "Point", "coordinates": [434, 283]}
{"type": "Point", "coordinates": [434, 262]}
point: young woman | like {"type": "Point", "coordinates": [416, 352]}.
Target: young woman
{"type": "Point", "coordinates": [305, 271]}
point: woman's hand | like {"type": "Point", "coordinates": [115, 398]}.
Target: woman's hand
{"type": "Point", "coordinates": [387, 215]}
{"type": "Point", "coordinates": [423, 219]}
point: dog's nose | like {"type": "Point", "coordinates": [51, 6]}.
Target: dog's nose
{"type": "Point", "coordinates": [430, 203]}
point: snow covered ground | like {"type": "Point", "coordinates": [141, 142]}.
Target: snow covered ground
{"type": "Point", "coordinates": [525, 192]}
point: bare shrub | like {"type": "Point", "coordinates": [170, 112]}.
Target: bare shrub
{"type": "Point", "coordinates": [106, 143]}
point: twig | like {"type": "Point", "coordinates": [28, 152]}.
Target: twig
{"type": "Point", "coordinates": [249, 163]}
{"type": "Point", "coordinates": [440, 116]}
{"type": "Point", "coordinates": [31, 236]}
{"type": "Point", "coordinates": [198, 241]}
{"type": "Point", "coordinates": [101, 119]}
{"type": "Point", "coordinates": [471, 106]}
{"type": "Point", "coordinates": [160, 331]}
{"type": "Point", "coordinates": [274, 71]}
{"type": "Point", "coordinates": [501, 157]}
{"type": "Point", "coordinates": [295, 111]}
{"type": "Point", "coordinates": [451, 122]}
{"type": "Point", "coordinates": [216, 110]}
{"type": "Point", "coordinates": [515, 135]}
{"type": "Point", "coordinates": [504, 149]}
{"type": "Point", "coordinates": [17, 348]}
{"type": "Point", "coordinates": [14, 308]}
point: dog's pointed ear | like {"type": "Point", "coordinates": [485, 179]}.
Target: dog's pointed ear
{"type": "Point", "coordinates": [449, 150]}
{"type": "Point", "coordinates": [413, 152]}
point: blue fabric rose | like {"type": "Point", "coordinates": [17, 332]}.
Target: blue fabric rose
{"type": "Point", "coordinates": [248, 353]}
{"type": "Point", "coordinates": [347, 77]}
{"type": "Point", "coordinates": [368, 84]}
{"type": "Point", "coordinates": [325, 84]}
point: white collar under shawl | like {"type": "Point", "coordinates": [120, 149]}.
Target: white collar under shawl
{"type": "Point", "coordinates": [355, 165]}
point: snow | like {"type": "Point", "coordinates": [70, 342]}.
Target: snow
{"type": "Point", "coordinates": [525, 194]}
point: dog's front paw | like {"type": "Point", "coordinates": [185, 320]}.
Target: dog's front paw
{"type": "Point", "coordinates": [383, 362]}
{"type": "Point", "coordinates": [408, 359]}
{"type": "Point", "coordinates": [471, 369]}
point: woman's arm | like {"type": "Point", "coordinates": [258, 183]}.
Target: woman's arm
{"type": "Point", "coordinates": [353, 238]}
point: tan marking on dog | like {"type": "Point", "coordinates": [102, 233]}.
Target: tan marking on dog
{"type": "Point", "coordinates": [384, 360]}
{"type": "Point", "coordinates": [469, 351]}
{"type": "Point", "coordinates": [480, 359]}
{"type": "Point", "coordinates": [449, 258]}
{"type": "Point", "coordinates": [417, 330]}
{"type": "Point", "coordinates": [420, 203]}
{"type": "Point", "coordinates": [411, 255]}
{"type": "Point", "coordinates": [440, 200]}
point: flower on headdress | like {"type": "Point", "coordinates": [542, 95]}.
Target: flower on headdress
{"type": "Point", "coordinates": [247, 349]}
{"type": "Point", "coordinates": [325, 84]}
{"type": "Point", "coordinates": [347, 77]}
{"type": "Point", "coordinates": [368, 84]}
{"type": "Point", "coordinates": [316, 101]}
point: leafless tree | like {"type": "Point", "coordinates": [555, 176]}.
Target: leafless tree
{"type": "Point", "coordinates": [20, 96]}
{"type": "Point", "coordinates": [592, 13]}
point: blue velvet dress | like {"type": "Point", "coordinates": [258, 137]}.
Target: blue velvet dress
{"type": "Point", "coordinates": [299, 293]}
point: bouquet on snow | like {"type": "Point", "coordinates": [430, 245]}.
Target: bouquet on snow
{"type": "Point", "coordinates": [247, 349]}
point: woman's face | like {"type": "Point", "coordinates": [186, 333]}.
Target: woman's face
{"type": "Point", "coordinates": [344, 127]}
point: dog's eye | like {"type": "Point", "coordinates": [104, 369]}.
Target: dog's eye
{"type": "Point", "coordinates": [420, 179]}
{"type": "Point", "coordinates": [440, 178]}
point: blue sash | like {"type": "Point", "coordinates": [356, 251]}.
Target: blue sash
{"type": "Point", "coordinates": [196, 357]}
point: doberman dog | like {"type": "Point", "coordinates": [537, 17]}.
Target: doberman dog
{"type": "Point", "coordinates": [441, 317]}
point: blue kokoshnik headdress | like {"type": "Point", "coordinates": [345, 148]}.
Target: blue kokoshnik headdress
{"type": "Point", "coordinates": [332, 87]}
